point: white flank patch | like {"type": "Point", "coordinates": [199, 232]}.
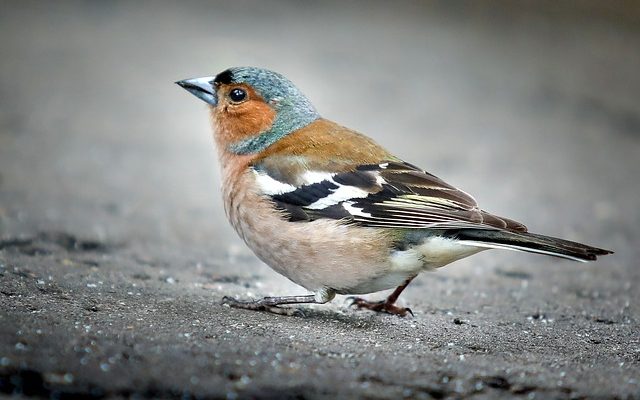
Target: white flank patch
{"type": "Point", "coordinates": [383, 165]}
{"type": "Point", "coordinates": [407, 260]}
{"type": "Point", "coordinates": [348, 205]}
{"type": "Point", "coordinates": [339, 195]}
{"type": "Point", "coordinates": [270, 186]}
{"type": "Point", "coordinates": [439, 251]}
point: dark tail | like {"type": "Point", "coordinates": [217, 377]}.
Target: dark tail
{"type": "Point", "coordinates": [529, 242]}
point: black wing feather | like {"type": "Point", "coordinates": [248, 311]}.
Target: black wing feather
{"type": "Point", "coordinates": [396, 194]}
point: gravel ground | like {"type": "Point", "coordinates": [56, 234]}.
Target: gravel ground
{"type": "Point", "coordinates": [114, 249]}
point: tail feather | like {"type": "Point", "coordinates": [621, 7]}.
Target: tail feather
{"type": "Point", "coordinates": [529, 242]}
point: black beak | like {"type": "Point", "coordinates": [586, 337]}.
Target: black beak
{"type": "Point", "coordinates": [202, 88]}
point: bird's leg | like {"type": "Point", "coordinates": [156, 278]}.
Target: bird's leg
{"type": "Point", "coordinates": [272, 304]}
{"type": "Point", "coordinates": [387, 305]}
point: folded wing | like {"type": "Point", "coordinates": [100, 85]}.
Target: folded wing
{"type": "Point", "coordinates": [391, 194]}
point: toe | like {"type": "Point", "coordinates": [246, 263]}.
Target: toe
{"type": "Point", "coordinates": [354, 301]}
{"type": "Point", "coordinates": [395, 310]}
{"type": "Point", "coordinates": [227, 300]}
{"type": "Point", "coordinates": [257, 305]}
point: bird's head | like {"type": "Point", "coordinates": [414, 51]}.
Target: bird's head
{"type": "Point", "coordinates": [251, 107]}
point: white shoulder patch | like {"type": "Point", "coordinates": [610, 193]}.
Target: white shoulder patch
{"type": "Point", "coordinates": [273, 187]}
{"type": "Point", "coordinates": [270, 186]}
{"type": "Point", "coordinates": [310, 177]}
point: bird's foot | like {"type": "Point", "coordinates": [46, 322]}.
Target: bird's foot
{"type": "Point", "coordinates": [261, 305]}
{"type": "Point", "coordinates": [383, 306]}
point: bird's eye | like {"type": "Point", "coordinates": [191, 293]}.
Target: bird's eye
{"type": "Point", "coordinates": [237, 95]}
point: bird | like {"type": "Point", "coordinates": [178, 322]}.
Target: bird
{"type": "Point", "coordinates": [332, 210]}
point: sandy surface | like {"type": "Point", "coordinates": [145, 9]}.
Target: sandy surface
{"type": "Point", "coordinates": [114, 249]}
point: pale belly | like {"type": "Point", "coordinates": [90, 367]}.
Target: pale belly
{"type": "Point", "coordinates": [330, 255]}
{"type": "Point", "coordinates": [323, 254]}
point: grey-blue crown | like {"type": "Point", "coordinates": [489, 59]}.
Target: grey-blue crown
{"type": "Point", "coordinates": [271, 85]}
{"type": "Point", "coordinates": [294, 110]}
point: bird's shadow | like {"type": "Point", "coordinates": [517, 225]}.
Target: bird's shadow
{"type": "Point", "coordinates": [342, 317]}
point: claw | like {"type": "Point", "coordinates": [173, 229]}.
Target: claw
{"type": "Point", "coordinates": [297, 312]}
{"type": "Point", "coordinates": [352, 300]}
{"type": "Point", "coordinates": [379, 306]}
{"type": "Point", "coordinates": [228, 301]}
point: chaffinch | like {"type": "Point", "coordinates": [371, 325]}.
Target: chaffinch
{"type": "Point", "coordinates": [333, 211]}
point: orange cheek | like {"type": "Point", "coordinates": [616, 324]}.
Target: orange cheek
{"type": "Point", "coordinates": [233, 123]}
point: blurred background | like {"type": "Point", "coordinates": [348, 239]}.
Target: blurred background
{"type": "Point", "coordinates": [520, 104]}
{"type": "Point", "coordinates": [532, 107]}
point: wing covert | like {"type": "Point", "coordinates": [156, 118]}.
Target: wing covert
{"type": "Point", "coordinates": [392, 194]}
